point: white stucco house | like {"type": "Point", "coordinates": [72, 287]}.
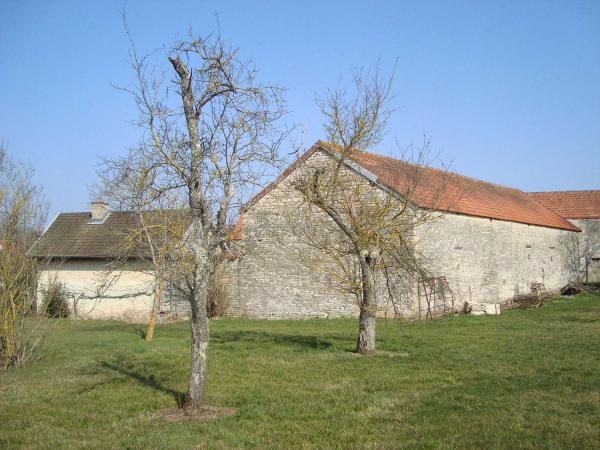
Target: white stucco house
{"type": "Point", "coordinates": [102, 273]}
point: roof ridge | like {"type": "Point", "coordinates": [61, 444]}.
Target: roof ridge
{"type": "Point", "coordinates": [128, 211]}
{"type": "Point", "coordinates": [564, 192]}
{"type": "Point", "coordinates": [444, 171]}
{"type": "Point", "coordinates": [458, 175]}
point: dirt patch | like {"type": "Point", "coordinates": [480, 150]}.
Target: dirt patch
{"type": "Point", "coordinates": [381, 353]}
{"type": "Point", "coordinates": [205, 414]}
{"type": "Point", "coordinates": [391, 354]}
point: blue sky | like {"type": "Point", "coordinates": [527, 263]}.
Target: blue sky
{"type": "Point", "coordinates": [508, 92]}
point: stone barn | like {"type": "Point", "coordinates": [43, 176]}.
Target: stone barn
{"type": "Point", "coordinates": [491, 243]}
{"type": "Point", "coordinates": [582, 209]}
{"type": "Point", "coordinates": [488, 244]}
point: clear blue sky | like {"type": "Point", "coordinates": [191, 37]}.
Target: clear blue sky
{"type": "Point", "coordinates": [508, 91]}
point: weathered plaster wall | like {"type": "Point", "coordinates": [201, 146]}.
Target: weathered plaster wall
{"type": "Point", "coordinates": [589, 246]}
{"type": "Point", "coordinates": [129, 296]}
{"type": "Point", "coordinates": [488, 261]}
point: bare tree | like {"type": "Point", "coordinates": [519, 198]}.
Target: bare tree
{"type": "Point", "coordinates": [22, 216]}
{"type": "Point", "coordinates": [368, 226]}
{"type": "Point", "coordinates": [159, 234]}
{"type": "Point", "coordinates": [210, 135]}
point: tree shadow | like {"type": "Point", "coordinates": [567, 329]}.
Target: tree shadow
{"type": "Point", "coordinates": [141, 332]}
{"type": "Point", "coordinates": [581, 319]}
{"type": "Point", "coordinates": [264, 338]}
{"type": "Point", "coordinates": [147, 380]}
{"type": "Point", "coordinates": [117, 327]}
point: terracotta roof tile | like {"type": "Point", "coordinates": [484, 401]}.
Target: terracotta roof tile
{"type": "Point", "coordinates": [571, 204]}
{"type": "Point", "coordinates": [443, 190]}
{"type": "Point", "coordinates": [236, 230]}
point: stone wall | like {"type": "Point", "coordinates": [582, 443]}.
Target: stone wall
{"type": "Point", "coordinates": [488, 261]}
{"type": "Point", "coordinates": [484, 260]}
{"type": "Point", "coordinates": [589, 248]}
{"type": "Point", "coordinates": [279, 274]}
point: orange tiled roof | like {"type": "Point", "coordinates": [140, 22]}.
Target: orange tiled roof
{"type": "Point", "coordinates": [443, 190]}
{"type": "Point", "coordinates": [571, 204]}
{"type": "Point", "coordinates": [236, 230]}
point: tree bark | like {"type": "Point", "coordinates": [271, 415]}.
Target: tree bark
{"type": "Point", "coordinates": [199, 347]}
{"type": "Point", "coordinates": [365, 344]}
{"type": "Point", "coordinates": [153, 314]}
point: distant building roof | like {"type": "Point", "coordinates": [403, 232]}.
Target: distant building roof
{"type": "Point", "coordinates": [571, 204]}
{"type": "Point", "coordinates": [74, 235]}
{"type": "Point", "coordinates": [443, 190]}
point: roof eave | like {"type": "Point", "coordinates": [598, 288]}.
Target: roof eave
{"type": "Point", "coordinates": [321, 145]}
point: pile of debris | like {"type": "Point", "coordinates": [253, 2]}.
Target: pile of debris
{"type": "Point", "coordinates": [534, 299]}
{"type": "Point", "coordinates": [571, 289]}
{"type": "Point", "coordinates": [479, 309]}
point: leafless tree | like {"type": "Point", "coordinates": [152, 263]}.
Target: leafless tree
{"type": "Point", "coordinates": [159, 234]}
{"type": "Point", "coordinates": [577, 251]}
{"type": "Point", "coordinates": [22, 216]}
{"type": "Point", "coordinates": [210, 135]}
{"type": "Point", "coordinates": [367, 227]}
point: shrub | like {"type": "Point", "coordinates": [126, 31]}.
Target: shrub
{"type": "Point", "coordinates": [20, 337]}
{"type": "Point", "coordinates": [22, 215]}
{"type": "Point", "coordinates": [218, 300]}
{"type": "Point", "coordinates": [55, 302]}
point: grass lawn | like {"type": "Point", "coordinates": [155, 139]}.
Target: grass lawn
{"type": "Point", "coordinates": [525, 379]}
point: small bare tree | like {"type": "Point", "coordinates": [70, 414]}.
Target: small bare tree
{"type": "Point", "coordinates": [22, 216]}
{"type": "Point", "coordinates": [368, 226]}
{"type": "Point", "coordinates": [211, 142]}
{"type": "Point", "coordinates": [159, 234]}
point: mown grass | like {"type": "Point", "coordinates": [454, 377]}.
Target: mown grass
{"type": "Point", "coordinates": [526, 379]}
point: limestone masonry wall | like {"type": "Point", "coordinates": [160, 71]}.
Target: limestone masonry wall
{"type": "Point", "coordinates": [488, 261]}
{"type": "Point", "coordinates": [589, 246]}
{"type": "Point", "coordinates": [273, 278]}
{"type": "Point", "coordinates": [484, 260]}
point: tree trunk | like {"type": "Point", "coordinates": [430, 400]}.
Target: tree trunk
{"type": "Point", "coordinates": [365, 344]}
{"type": "Point", "coordinates": [153, 314]}
{"type": "Point", "coordinates": [366, 332]}
{"type": "Point", "coordinates": [199, 348]}
{"type": "Point", "coordinates": [199, 321]}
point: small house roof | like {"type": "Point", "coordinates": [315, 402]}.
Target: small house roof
{"type": "Point", "coordinates": [74, 235]}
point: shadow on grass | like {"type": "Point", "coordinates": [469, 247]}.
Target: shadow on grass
{"type": "Point", "coordinates": [581, 319]}
{"type": "Point", "coordinates": [264, 338]}
{"type": "Point", "coordinates": [116, 327]}
{"type": "Point", "coordinates": [147, 380]}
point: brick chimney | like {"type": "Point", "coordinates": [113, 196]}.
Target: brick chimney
{"type": "Point", "coordinates": [99, 210]}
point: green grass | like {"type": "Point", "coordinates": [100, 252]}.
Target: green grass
{"type": "Point", "coordinates": [526, 379]}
